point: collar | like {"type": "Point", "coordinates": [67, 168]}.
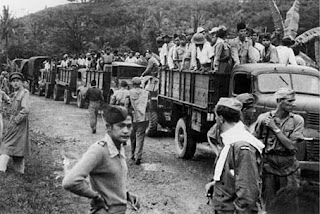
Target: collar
{"type": "Point", "coordinates": [113, 149]}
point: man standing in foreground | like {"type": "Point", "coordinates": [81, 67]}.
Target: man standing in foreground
{"type": "Point", "coordinates": [280, 130]}
{"type": "Point", "coordinates": [138, 103]}
{"type": "Point", "coordinates": [106, 165]}
{"type": "Point", "coordinates": [236, 179]}
{"type": "Point", "coordinates": [95, 97]}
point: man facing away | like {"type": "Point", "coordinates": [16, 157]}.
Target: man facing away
{"type": "Point", "coordinates": [236, 179]}
{"type": "Point", "coordinates": [138, 103]}
{"type": "Point", "coordinates": [105, 164]}
{"type": "Point", "coordinates": [120, 96]}
{"type": "Point", "coordinates": [95, 97]}
{"type": "Point", "coordinates": [280, 130]}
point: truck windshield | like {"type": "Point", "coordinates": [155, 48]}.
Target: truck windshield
{"type": "Point", "coordinates": [303, 84]}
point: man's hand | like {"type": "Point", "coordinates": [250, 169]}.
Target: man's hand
{"type": "Point", "coordinates": [269, 121]}
{"type": "Point", "coordinates": [133, 199]}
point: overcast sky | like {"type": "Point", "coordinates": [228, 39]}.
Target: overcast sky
{"type": "Point", "coordinates": [20, 8]}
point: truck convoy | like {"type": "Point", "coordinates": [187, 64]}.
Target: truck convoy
{"type": "Point", "coordinates": [187, 99]}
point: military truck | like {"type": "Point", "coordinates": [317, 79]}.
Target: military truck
{"type": "Point", "coordinates": [72, 83]}
{"type": "Point", "coordinates": [187, 99]}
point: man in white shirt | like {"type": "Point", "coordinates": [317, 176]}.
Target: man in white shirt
{"type": "Point", "coordinates": [131, 58]}
{"type": "Point", "coordinates": [164, 50]}
{"type": "Point", "coordinates": [172, 51]}
{"type": "Point", "coordinates": [204, 51]}
{"type": "Point", "coordinates": [285, 53]}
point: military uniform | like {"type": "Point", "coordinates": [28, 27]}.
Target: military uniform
{"type": "Point", "coordinates": [281, 168]}
{"type": "Point", "coordinates": [94, 95]}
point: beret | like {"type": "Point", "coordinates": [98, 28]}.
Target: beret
{"type": "Point", "coordinates": [246, 99]}
{"type": "Point", "coordinates": [15, 75]}
{"type": "Point", "coordinates": [136, 80]}
{"type": "Point", "coordinates": [232, 103]}
{"type": "Point", "coordinates": [115, 114]}
{"type": "Point", "coordinates": [284, 93]}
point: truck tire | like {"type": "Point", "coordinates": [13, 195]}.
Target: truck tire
{"type": "Point", "coordinates": [185, 146]}
{"type": "Point", "coordinates": [153, 124]}
{"type": "Point", "coordinates": [66, 96]}
{"type": "Point", "coordinates": [46, 91]}
{"type": "Point", "coordinates": [80, 100]}
{"type": "Point", "coordinates": [56, 93]}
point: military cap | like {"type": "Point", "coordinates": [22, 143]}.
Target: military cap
{"type": "Point", "coordinates": [284, 93]}
{"type": "Point", "coordinates": [16, 75]}
{"type": "Point", "coordinates": [198, 38]}
{"type": "Point", "coordinates": [115, 114]}
{"type": "Point", "coordinates": [230, 103]}
{"type": "Point", "coordinates": [246, 99]}
{"type": "Point", "coordinates": [200, 29]}
{"type": "Point", "coordinates": [136, 80]}
{"type": "Point", "coordinates": [287, 41]}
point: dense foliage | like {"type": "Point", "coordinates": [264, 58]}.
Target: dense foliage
{"type": "Point", "coordinates": [83, 25]}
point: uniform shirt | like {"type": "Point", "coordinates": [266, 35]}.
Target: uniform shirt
{"type": "Point", "coordinates": [139, 102]}
{"type": "Point", "coordinates": [170, 57]}
{"type": "Point", "coordinates": [107, 58]}
{"type": "Point", "coordinates": [280, 160]}
{"type": "Point", "coordinates": [240, 50]}
{"type": "Point", "coordinates": [131, 60]}
{"type": "Point", "coordinates": [163, 54]}
{"type": "Point", "coordinates": [237, 173]}
{"type": "Point", "coordinates": [205, 54]}
{"type": "Point", "coordinates": [94, 94]}
{"type": "Point", "coordinates": [270, 55]}
{"type": "Point", "coordinates": [107, 168]}
{"type": "Point", "coordinates": [120, 97]}
{"type": "Point", "coordinates": [286, 55]}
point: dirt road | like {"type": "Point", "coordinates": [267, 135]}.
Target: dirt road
{"type": "Point", "coordinates": [164, 183]}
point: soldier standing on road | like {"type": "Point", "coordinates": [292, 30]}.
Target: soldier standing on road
{"type": "Point", "coordinates": [236, 180]}
{"type": "Point", "coordinates": [95, 97]}
{"type": "Point", "coordinates": [15, 143]}
{"type": "Point", "coordinates": [280, 130]}
{"type": "Point", "coordinates": [138, 102]}
{"type": "Point", "coordinates": [105, 164]}
{"type": "Point", "coordinates": [120, 97]}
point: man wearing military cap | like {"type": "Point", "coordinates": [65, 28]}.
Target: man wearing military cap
{"type": "Point", "coordinates": [204, 51]}
{"type": "Point", "coordinates": [236, 173]}
{"type": "Point", "coordinates": [105, 164]}
{"type": "Point", "coordinates": [15, 142]}
{"type": "Point", "coordinates": [138, 104]}
{"type": "Point", "coordinates": [280, 130]}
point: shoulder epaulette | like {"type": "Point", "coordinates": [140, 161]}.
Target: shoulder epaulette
{"type": "Point", "coordinates": [102, 143]}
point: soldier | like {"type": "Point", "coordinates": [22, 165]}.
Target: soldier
{"type": "Point", "coordinates": [106, 165]}
{"type": "Point", "coordinates": [15, 143]}
{"type": "Point", "coordinates": [95, 97]}
{"type": "Point", "coordinates": [280, 130]}
{"type": "Point", "coordinates": [153, 65]}
{"type": "Point", "coordinates": [120, 96]}
{"type": "Point", "coordinates": [236, 179]}
{"type": "Point", "coordinates": [138, 103]}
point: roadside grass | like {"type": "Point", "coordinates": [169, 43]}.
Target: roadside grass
{"type": "Point", "coordinates": [39, 190]}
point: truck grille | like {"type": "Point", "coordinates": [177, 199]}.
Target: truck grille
{"type": "Point", "coordinates": [313, 120]}
{"type": "Point", "coordinates": [313, 150]}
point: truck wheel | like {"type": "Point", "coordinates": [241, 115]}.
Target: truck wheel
{"type": "Point", "coordinates": [153, 124]}
{"type": "Point", "coordinates": [56, 93]}
{"type": "Point", "coordinates": [66, 96]}
{"type": "Point", "coordinates": [185, 146]}
{"type": "Point", "coordinates": [46, 91]}
{"type": "Point", "coordinates": [80, 100]}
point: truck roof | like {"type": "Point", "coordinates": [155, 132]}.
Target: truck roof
{"type": "Point", "coordinates": [257, 68]}
{"type": "Point", "coordinates": [129, 64]}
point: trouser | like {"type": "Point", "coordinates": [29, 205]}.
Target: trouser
{"type": "Point", "coordinates": [18, 163]}
{"type": "Point", "coordinates": [137, 138]}
{"type": "Point", "coordinates": [273, 183]}
{"type": "Point", "coordinates": [93, 113]}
